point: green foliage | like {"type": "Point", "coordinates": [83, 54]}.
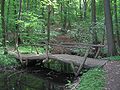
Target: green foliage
{"type": "Point", "coordinates": [31, 22]}
{"type": "Point", "coordinates": [81, 32]}
{"type": "Point", "coordinates": [92, 80]}
{"type": "Point", "coordinates": [31, 25]}
{"type": "Point", "coordinates": [7, 60]}
{"type": "Point", "coordinates": [29, 49]}
{"type": "Point", "coordinates": [36, 38]}
{"type": "Point", "coordinates": [34, 17]}
{"type": "Point", "coordinates": [114, 58]}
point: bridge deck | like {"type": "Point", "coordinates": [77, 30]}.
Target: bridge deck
{"type": "Point", "coordinates": [76, 60]}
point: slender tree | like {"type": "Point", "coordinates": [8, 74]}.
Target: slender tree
{"type": "Point", "coordinates": [27, 5]}
{"type": "Point", "coordinates": [84, 8]}
{"type": "Point", "coordinates": [17, 27]}
{"type": "Point", "coordinates": [3, 25]}
{"type": "Point", "coordinates": [116, 22]}
{"type": "Point", "coordinates": [93, 14]}
{"type": "Point", "coordinates": [80, 9]}
{"type": "Point", "coordinates": [8, 13]}
{"type": "Point", "coordinates": [65, 17]}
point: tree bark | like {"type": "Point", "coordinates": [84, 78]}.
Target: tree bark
{"type": "Point", "coordinates": [3, 25]}
{"type": "Point", "coordinates": [80, 8]}
{"type": "Point", "coordinates": [93, 14]}
{"type": "Point", "coordinates": [48, 33]}
{"type": "Point", "coordinates": [116, 23]}
{"type": "Point", "coordinates": [48, 23]}
{"type": "Point", "coordinates": [18, 40]}
{"type": "Point", "coordinates": [8, 12]}
{"type": "Point", "coordinates": [109, 29]}
{"type": "Point", "coordinates": [27, 5]}
{"type": "Point", "coordinates": [84, 8]}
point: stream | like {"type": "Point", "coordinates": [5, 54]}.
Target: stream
{"type": "Point", "coordinates": [36, 78]}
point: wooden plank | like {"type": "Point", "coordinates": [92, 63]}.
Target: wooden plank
{"type": "Point", "coordinates": [83, 44]}
{"type": "Point", "coordinates": [82, 64]}
{"type": "Point", "coordinates": [68, 46]}
{"type": "Point", "coordinates": [77, 45]}
{"type": "Point", "coordinates": [77, 60]}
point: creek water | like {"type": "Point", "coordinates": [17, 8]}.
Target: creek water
{"type": "Point", "coordinates": [35, 78]}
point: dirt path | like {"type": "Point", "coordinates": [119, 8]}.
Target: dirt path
{"type": "Point", "coordinates": [112, 69]}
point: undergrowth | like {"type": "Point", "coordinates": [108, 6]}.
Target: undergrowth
{"type": "Point", "coordinates": [92, 80]}
{"type": "Point", "coordinates": [7, 61]}
{"type": "Point", "coordinates": [29, 49]}
{"type": "Point", "coordinates": [114, 58]}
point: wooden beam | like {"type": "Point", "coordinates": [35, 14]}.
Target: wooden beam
{"type": "Point", "coordinates": [82, 65]}
{"type": "Point", "coordinates": [83, 44]}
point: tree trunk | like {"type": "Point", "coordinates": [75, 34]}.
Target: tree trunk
{"type": "Point", "coordinates": [69, 18]}
{"type": "Point", "coordinates": [61, 10]}
{"type": "Point", "coordinates": [20, 9]}
{"type": "Point", "coordinates": [3, 25]}
{"type": "Point", "coordinates": [116, 23]}
{"type": "Point", "coordinates": [48, 23]}
{"type": "Point", "coordinates": [109, 28]}
{"type": "Point", "coordinates": [65, 19]}
{"type": "Point", "coordinates": [8, 12]}
{"type": "Point", "coordinates": [93, 14]}
{"type": "Point", "coordinates": [27, 5]}
{"type": "Point", "coordinates": [84, 8]}
{"type": "Point", "coordinates": [80, 9]}
{"type": "Point", "coordinates": [18, 40]}
{"type": "Point", "coordinates": [43, 16]}
{"type": "Point", "coordinates": [48, 33]}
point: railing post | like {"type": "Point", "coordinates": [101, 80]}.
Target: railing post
{"type": "Point", "coordinates": [85, 58]}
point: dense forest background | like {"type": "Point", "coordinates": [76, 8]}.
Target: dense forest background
{"type": "Point", "coordinates": [85, 21]}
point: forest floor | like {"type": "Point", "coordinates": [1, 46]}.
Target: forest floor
{"type": "Point", "coordinates": [112, 70]}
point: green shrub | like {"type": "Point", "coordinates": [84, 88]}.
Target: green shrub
{"type": "Point", "coordinates": [7, 60]}
{"type": "Point", "coordinates": [92, 80]}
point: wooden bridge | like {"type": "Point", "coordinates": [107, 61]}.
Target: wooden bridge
{"type": "Point", "coordinates": [73, 60]}
{"type": "Point", "coordinates": [76, 60]}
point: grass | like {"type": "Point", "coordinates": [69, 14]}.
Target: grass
{"type": "Point", "coordinates": [29, 49]}
{"type": "Point", "coordinates": [8, 60]}
{"type": "Point", "coordinates": [92, 80]}
{"type": "Point", "coordinates": [114, 58]}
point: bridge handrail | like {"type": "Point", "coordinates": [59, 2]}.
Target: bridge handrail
{"type": "Point", "coordinates": [77, 45]}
